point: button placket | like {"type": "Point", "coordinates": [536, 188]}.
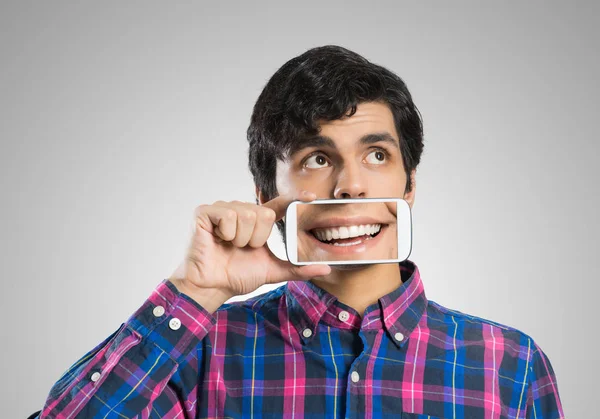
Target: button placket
{"type": "Point", "coordinates": [175, 323]}
{"type": "Point", "coordinates": [158, 311]}
{"type": "Point", "coordinates": [343, 316]}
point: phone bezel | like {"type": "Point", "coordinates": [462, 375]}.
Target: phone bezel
{"type": "Point", "coordinates": [404, 221]}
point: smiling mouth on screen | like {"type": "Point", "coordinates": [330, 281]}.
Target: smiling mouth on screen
{"type": "Point", "coordinates": [348, 239]}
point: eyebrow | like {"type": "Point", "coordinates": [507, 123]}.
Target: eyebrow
{"type": "Point", "coordinates": [324, 141]}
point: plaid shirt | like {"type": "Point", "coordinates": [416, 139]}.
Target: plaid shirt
{"type": "Point", "coordinates": [297, 352]}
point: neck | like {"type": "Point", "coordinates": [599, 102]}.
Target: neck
{"type": "Point", "coordinates": [362, 285]}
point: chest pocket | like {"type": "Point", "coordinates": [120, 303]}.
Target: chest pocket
{"type": "Point", "coordinates": [419, 416]}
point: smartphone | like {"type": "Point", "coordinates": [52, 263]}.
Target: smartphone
{"type": "Point", "coordinates": [348, 231]}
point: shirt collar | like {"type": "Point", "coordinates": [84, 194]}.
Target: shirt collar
{"type": "Point", "coordinates": [398, 312]}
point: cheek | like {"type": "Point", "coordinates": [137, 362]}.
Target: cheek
{"type": "Point", "coordinates": [282, 178]}
{"type": "Point", "coordinates": [289, 180]}
{"type": "Point", "coordinates": [288, 185]}
{"type": "Point", "coordinates": [387, 182]}
{"type": "Point", "coordinates": [316, 181]}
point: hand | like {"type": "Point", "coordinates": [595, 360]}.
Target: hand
{"type": "Point", "coordinates": [228, 254]}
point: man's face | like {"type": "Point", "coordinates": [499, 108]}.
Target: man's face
{"type": "Point", "coordinates": [353, 157]}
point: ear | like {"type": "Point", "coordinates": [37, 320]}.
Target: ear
{"type": "Point", "coordinates": [410, 196]}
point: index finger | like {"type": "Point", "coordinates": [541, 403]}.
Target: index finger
{"type": "Point", "coordinates": [280, 203]}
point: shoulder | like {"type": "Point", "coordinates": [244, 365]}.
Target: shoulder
{"type": "Point", "coordinates": [469, 328]}
{"type": "Point", "coordinates": [262, 306]}
{"type": "Point", "coordinates": [515, 355]}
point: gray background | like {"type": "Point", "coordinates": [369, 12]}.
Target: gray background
{"type": "Point", "coordinates": [119, 119]}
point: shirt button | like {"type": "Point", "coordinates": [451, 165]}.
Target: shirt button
{"type": "Point", "coordinates": [354, 377]}
{"type": "Point", "coordinates": [175, 323]}
{"type": "Point", "coordinates": [343, 316]}
{"type": "Point", "coordinates": [399, 336]}
{"type": "Point", "coordinates": [158, 311]}
{"type": "Point", "coordinates": [307, 333]}
{"type": "Point", "coordinates": [95, 376]}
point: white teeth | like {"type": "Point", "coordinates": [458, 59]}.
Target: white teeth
{"type": "Point", "coordinates": [347, 244]}
{"type": "Point", "coordinates": [344, 232]}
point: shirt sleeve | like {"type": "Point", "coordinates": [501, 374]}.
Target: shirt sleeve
{"type": "Point", "coordinates": [543, 401]}
{"type": "Point", "coordinates": [129, 373]}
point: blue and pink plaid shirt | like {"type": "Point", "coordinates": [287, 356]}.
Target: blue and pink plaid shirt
{"type": "Point", "coordinates": [297, 352]}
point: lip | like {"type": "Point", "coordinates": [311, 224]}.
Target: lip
{"type": "Point", "coordinates": [344, 221]}
{"type": "Point", "coordinates": [358, 248]}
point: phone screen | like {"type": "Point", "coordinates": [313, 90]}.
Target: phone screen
{"type": "Point", "coordinates": [360, 232]}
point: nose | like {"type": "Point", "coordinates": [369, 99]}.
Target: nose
{"type": "Point", "coordinates": [350, 184]}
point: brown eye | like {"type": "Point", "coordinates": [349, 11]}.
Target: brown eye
{"type": "Point", "coordinates": [376, 157]}
{"type": "Point", "coordinates": [316, 162]}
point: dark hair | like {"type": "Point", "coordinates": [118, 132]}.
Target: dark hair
{"type": "Point", "coordinates": [325, 83]}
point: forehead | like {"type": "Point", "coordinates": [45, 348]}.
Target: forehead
{"type": "Point", "coordinates": [369, 117]}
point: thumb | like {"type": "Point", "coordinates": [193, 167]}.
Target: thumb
{"type": "Point", "coordinates": [286, 271]}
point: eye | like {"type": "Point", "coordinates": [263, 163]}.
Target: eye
{"type": "Point", "coordinates": [376, 157]}
{"type": "Point", "coordinates": [316, 161]}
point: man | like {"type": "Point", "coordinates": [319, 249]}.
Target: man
{"type": "Point", "coordinates": [346, 341]}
